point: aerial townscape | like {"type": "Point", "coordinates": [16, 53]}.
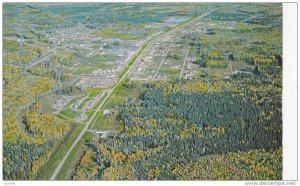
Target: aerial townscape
{"type": "Point", "coordinates": [142, 91]}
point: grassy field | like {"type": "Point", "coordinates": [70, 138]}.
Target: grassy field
{"type": "Point", "coordinates": [113, 33]}
{"type": "Point", "coordinates": [104, 57]}
{"type": "Point", "coordinates": [124, 91]}
{"type": "Point", "coordinates": [89, 114]}
{"type": "Point", "coordinates": [60, 117]}
{"type": "Point", "coordinates": [89, 68]}
{"type": "Point", "coordinates": [46, 171]}
{"type": "Point", "coordinates": [170, 73]}
{"type": "Point", "coordinates": [102, 122]}
{"type": "Point", "coordinates": [97, 46]}
{"type": "Point", "coordinates": [97, 62]}
{"type": "Point", "coordinates": [69, 113]}
{"type": "Point", "coordinates": [93, 91]}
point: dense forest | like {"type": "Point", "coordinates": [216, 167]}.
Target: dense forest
{"type": "Point", "coordinates": [223, 124]}
{"type": "Point", "coordinates": [175, 126]}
